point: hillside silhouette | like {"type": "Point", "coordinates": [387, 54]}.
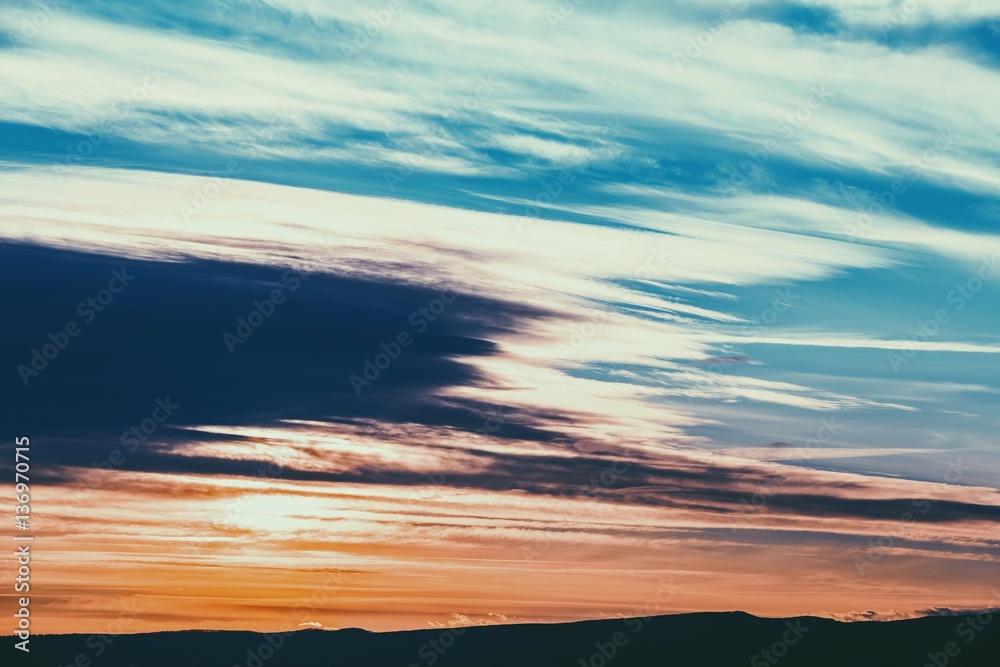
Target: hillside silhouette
{"type": "Point", "coordinates": [684, 640]}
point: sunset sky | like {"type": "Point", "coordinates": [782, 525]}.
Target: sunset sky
{"type": "Point", "coordinates": [402, 314]}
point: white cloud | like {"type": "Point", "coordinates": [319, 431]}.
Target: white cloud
{"type": "Point", "coordinates": [744, 86]}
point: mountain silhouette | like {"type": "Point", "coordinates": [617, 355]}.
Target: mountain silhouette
{"type": "Point", "coordinates": [684, 640]}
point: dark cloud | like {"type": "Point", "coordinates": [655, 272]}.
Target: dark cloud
{"type": "Point", "coordinates": [162, 337]}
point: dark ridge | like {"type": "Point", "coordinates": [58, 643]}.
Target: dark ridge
{"type": "Point", "coordinates": [685, 640]}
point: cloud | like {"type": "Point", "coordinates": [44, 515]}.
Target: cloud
{"type": "Point", "coordinates": [435, 67]}
{"type": "Point", "coordinates": [672, 235]}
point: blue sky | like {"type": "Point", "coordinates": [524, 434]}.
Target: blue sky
{"type": "Point", "coordinates": [704, 231]}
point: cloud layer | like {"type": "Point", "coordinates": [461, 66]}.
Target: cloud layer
{"type": "Point", "coordinates": [506, 313]}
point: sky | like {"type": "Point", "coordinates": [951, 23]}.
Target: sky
{"type": "Point", "coordinates": [422, 314]}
